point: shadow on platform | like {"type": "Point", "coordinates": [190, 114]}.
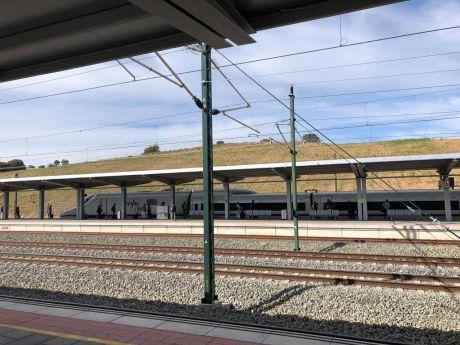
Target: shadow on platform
{"type": "Point", "coordinates": [255, 314]}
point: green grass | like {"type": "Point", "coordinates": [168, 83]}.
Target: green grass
{"type": "Point", "coordinates": [233, 154]}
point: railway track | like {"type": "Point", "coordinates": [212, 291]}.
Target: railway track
{"type": "Point", "coordinates": [344, 277]}
{"type": "Point", "coordinates": [247, 237]}
{"type": "Point", "coordinates": [364, 258]}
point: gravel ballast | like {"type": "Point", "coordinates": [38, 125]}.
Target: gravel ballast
{"type": "Point", "coordinates": [328, 247]}
{"type": "Point", "coordinates": [417, 317]}
{"type": "Point", "coordinates": [298, 263]}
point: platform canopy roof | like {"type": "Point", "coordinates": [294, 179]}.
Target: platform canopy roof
{"type": "Point", "coordinates": [38, 37]}
{"type": "Point", "coordinates": [442, 163]}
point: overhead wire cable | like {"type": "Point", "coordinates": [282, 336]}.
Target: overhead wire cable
{"type": "Point", "coordinates": [79, 73]}
{"type": "Point", "coordinates": [245, 62]}
{"type": "Point", "coordinates": [339, 148]}
{"type": "Point", "coordinates": [370, 124]}
{"type": "Point", "coordinates": [382, 39]}
{"type": "Point", "coordinates": [261, 124]}
{"type": "Point", "coordinates": [368, 92]}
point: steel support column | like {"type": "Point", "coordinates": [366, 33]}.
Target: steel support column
{"type": "Point", "coordinates": [289, 198]}
{"type": "Point", "coordinates": [227, 197]}
{"type": "Point", "coordinates": [41, 204]}
{"type": "Point", "coordinates": [6, 205]}
{"type": "Point", "coordinates": [123, 191]}
{"type": "Point", "coordinates": [446, 192]}
{"type": "Point", "coordinates": [359, 198]}
{"type": "Point", "coordinates": [172, 189]}
{"type": "Point", "coordinates": [15, 204]}
{"type": "Point", "coordinates": [208, 207]}
{"type": "Point", "coordinates": [364, 197]}
{"type": "Point", "coordinates": [77, 209]}
{"type": "Point", "coordinates": [295, 216]}
{"type": "Point", "coordinates": [80, 203]}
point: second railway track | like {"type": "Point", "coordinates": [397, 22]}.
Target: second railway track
{"type": "Point", "coordinates": [344, 277]}
{"type": "Point", "coordinates": [347, 257]}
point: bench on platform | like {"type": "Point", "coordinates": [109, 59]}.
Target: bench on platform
{"type": "Point", "coordinates": [324, 214]}
{"type": "Point", "coordinates": [403, 213]}
{"type": "Point", "coordinates": [258, 213]}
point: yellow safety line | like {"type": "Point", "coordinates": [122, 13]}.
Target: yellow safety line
{"type": "Point", "coordinates": [63, 335]}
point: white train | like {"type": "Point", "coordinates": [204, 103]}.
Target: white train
{"type": "Point", "coordinates": [189, 203]}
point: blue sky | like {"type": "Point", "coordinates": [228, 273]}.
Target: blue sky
{"type": "Point", "coordinates": [166, 114]}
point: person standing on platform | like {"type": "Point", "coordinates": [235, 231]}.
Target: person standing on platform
{"type": "Point", "coordinates": [99, 212]}
{"type": "Point", "coordinates": [114, 211]}
{"type": "Point", "coordinates": [184, 210]}
{"type": "Point", "coordinates": [385, 207]}
{"type": "Point", "coordinates": [17, 212]}
{"type": "Point", "coordinates": [144, 212]}
{"type": "Point", "coordinates": [315, 206]}
{"type": "Point", "coordinates": [238, 210]}
{"type": "Point", "coordinates": [351, 210]}
{"type": "Point", "coordinates": [252, 207]}
{"type": "Point", "coordinates": [50, 211]}
{"type": "Point", "coordinates": [172, 211]}
{"type": "Point", "coordinates": [1, 213]}
{"type": "Point", "coordinates": [149, 212]}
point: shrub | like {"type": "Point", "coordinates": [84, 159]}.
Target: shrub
{"type": "Point", "coordinates": [311, 138]}
{"type": "Point", "coordinates": [151, 149]}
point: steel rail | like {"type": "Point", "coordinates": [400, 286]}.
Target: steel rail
{"type": "Point", "coordinates": [275, 272]}
{"type": "Point", "coordinates": [247, 237]}
{"type": "Point", "coordinates": [348, 257]}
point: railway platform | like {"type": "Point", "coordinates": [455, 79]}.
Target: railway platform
{"type": "Point", "coordinates": [29, 322]}
{"type": "Point", "coordinates": [396, 230]}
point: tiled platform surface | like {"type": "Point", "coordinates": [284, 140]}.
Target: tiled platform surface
{"type": "Point", "coordinates": [311, 228]}
{"type": "Point", "coordinates": [13, 336]}
{"type": "Point", "coordinates": [30, 323]}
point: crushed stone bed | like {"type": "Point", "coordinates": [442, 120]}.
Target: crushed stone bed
{"type": "Point", "coordinates": [417, 317]}
{"type": "Point", "coordinates": [298, 263]}
{"type": "Point", "coordinates": [328, 247]}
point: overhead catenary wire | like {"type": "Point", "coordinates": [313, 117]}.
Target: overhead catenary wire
{"type": "Point", "coordinates": [175, 143]}
{"type": "Point", "coordinates": [117, 124]}
{"type": "Point", "coordinates": [368, 92]}
{"type": "Point", "coordinates": [369, 101]}
{"type": "Point", "coordinates": [381, 39]}
{"type": "Point", "coordinates": [226, 130]}
{"type": "Point", "coordinates": [364, 63]}
{"type": "Point", "coordinates": [165, 142]}
{"type": "Point", "coordinates": [409, 204]}
{"type": "Point", "coordinates": [80, 73]}
{"type": "Point", "coordinates": [225, 111]}
{"type": "Point", "coordinates": [178, 81]}
{"type": "Point", "coordinates": [126, 69]}
{"type": "Point", "coordinates": [246, 62]}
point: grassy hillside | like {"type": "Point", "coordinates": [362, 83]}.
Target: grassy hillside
{"type": "Point", "coordinates": [232, 154]}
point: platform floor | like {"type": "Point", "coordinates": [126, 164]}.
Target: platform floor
{"type": "Point", "coordinates": [31, 323]}
{"type": "Point", "coordinates": [307, 228]}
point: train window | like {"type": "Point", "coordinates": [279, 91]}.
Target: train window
{"type": "Point", "coordinates": [219, 207]}
{"type": "Point", "coordinates": [196, 207]}
{"type": "Point", "coordinates": [201, 207]}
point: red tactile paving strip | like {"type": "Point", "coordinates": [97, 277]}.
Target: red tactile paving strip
{"type": "Point", "coordinates": [108, 331]}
